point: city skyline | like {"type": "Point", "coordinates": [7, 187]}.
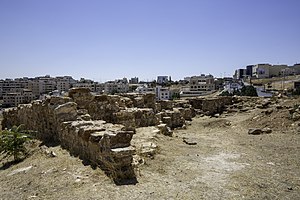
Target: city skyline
{"type": "Point", "coordinates": [108, 40]}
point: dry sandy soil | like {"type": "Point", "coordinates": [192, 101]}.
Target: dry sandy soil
{"type": "Point", "coordinates": [226, 163]}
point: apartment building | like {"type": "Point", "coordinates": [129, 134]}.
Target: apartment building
{"type": "Point", "coordinates": [18, 97]}
{"type": "Point", "coordinates": [261, 70]}
{"type": "Point", "coordinates": [99, 88]}
{"type": "Point", "coordinates": [134, 80]}
{"type": "Point", "coordinates": [117, 86]}
{"type": "Point", "coordinates": [85, 83]}
{"type": "Point", "coordinates": [162, 79]}
{"type": "Point", "coordinates": [240, 73]}
{"type": "Point", "coordinates": [46, 84]}
{"type": "Point", "coordinates": [9, 86]}
{"type": "Point", "coordinates": [162, 93]}
{"type": "Point", "coordinates": [268, 71]}
{"type": "Point", "coordinates": [202, 83]}
{"type": "Point", "coordinates": [64, 83]}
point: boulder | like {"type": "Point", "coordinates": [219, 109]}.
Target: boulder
{"type": "Point", "coordinates": [255, 131]}
{"type": "Point", "coordinates": [66, 112]}
{"type": "Point", "coordinates": [258, 131]}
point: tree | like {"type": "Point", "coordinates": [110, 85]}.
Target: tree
{"type": "Point", "coordinates": [249, 90]}
{"type": "Point", "coordinates": [12, 142]}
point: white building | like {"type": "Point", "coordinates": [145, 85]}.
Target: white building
{"type": "Point", "coordinates": [162, 93]}
{"type": "Point", "coordinates": [232, 86]}
{"type": "Point", "coordinates": [117, 86]}
{"type": "Point", "coordinates": [144, 89]}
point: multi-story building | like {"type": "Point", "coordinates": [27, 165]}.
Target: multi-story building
{"type": "Point", "coordinates": [144, 89]}
{"type": "Point", "coordinates": [34, 86]}
{"type": "Point", "coordinates": [240, 73]}
{"type": "Point", "coordinates": [249, 70]}
{"type": "Point", "coordinates": [99, 88]}
{"type": "Point", "coordinates": [85, 83]}
{"type": "Point", "coordinates": [202, 83]}
{"type": "Point", "coordinates": [261, 70]}
{"type": "Point", "coordinates": [162, 79]}
{"type": "Point", "coordinates": [268, 71]}
{"type": "Point", "coordinates": [288, 71]}
{"type": "Point", "coordinates": [199, 85]}
{"type": "Point", "coordinates": [64, 83]}
{"type": "Point", "coordinates": [9, 86]}
{"type": "Point", "coordinates": [18, 97]}
{"type": "Point", "coordinates": [117, 86]}
{"type": "Point", "coordinates": [162, 93]}
{"type": "Point", "coordinates": [46, 84]}
{"type": "Point", "coordinates": [134, 80]}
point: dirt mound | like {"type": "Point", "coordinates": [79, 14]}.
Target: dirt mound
{"type": "Point", "coordinates": [278, 118]}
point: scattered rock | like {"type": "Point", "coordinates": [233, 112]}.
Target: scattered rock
{"type": "Point", "coordinates": [148, 149]}
{"type": "Point", "coordinates": [258, 131]}
{"type": "Point", "coordinates": [53, 154]}
{"type": "Point", "coordinates": [244, 109]}
{"type": "Point", "coordinates": [164, 129]}
{"type": "Point", "coordinates": [278, 106]}
{"type": "Point", "coordinates": [189, 141]}
{"type": "Point", "coordinates": [228, 123]}
{"type": "Point", "coordinates": [268, 112]}
{"type": "Point", "coordinates": [295, 116]}
{"type": "Point", "coordinates": [217, 115]}
{"type": "Point", "coordinates": [255, 131]}
{"type": "Point", "coordinates": [24, 169]}
{"type": "Point", "coordinates": [267, 130]}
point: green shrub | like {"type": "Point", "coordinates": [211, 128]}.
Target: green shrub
{"type": "Point", "coordinates": [12, 142]}
{"type": "Point", "coordinates": [249, 90]}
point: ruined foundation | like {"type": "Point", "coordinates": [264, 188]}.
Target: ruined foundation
{"type": "Point", "coordinates": [99, 128]}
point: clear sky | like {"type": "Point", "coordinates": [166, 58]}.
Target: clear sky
{"type": "Point", "coordinates": [108, 39]}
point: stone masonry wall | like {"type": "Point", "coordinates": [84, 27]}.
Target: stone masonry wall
{"type": "Point", "coordinates": [99, 128]}
{"type": "Point", "coordinates": [56, 120]}
{"type": "Point", "coordinates": [210, 106]}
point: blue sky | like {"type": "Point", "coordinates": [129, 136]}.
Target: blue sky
{"type": "Point", "coordinates": [108, 39]}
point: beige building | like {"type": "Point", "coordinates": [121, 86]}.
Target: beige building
{"type": "Point", "coordinates": [268, 71]}
{"type": "Point", "coordinates": [64, 83]}
{"type": "Point", "coordinates": [46, 84]}
{"type": "Point", "coordinates": [202, 83]}
{"type": "Point", "coordinates": [85, 83]}
{"type": "Point", "coordinates": [117, 86]}
{"type": "Point", "coordinates": [19, 97]}
{"type": "Point", "coordinates": [261, 70]}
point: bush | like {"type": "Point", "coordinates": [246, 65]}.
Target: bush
{"type": "Point", "coordinates": [12, 142]}
{"type": "Point", "coordinates": [225, 93]}
{"type": "Point", "coordinates": [296, 91]}
{"type": "Point", "coordinates": [249, 90]}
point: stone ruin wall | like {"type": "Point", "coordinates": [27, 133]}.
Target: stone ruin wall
{"type": "Point", "coordinates": [99, 143]}
{"type": "Point", "coordinates": [99, 128]}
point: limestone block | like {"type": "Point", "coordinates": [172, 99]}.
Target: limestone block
{"type": "Point", "coordinates": [66, 112]}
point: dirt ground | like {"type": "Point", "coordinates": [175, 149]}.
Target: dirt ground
{"type": "Point", "coordinates": [226, 163]}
